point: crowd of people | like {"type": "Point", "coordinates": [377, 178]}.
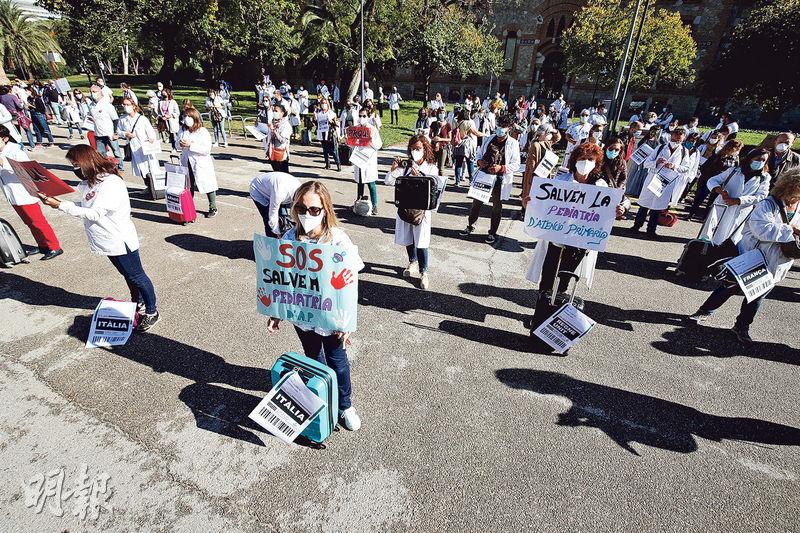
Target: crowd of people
{"type": "Point", "coordinates": [746, 194]}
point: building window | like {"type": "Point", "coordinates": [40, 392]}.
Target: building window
{"type": "Point", "coordinates": [562, 23]}
{"type": "Point", "coordinates": [551, 28]}
{"type": "Point", "coordinates": [510, 51]}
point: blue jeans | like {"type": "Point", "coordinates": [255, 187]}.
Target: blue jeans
{"type": "Point", "coordinates": [130, 266]}
{"type": "Point", "coordinates": [219, 131]}
{"type": "Point", "coordinates": [40, 126]}
{"type": "Point", "coordinates": [30, 138]}
{"type": "Point", "coordinates": [748, 310]}
{"type": "Point", "coordinates": [420, 254]}
{"type": "Point", "coordinates": [330, 351]}
{"type": "Point", "coordinates": [329, 149]}
{"type": "Point", "coordinates": [76, 125]}
{"type": "Point", "coordinates": [263, 210]}
{"type": "Point", "coordinates": [373, 192]}
{"type": "Point", "coordinates": [101, 147]}
{"type": "Point", "coordinates": [56, 107]}
{"type": "Point", "coordinates": [458, 164]}
{"type": "Point", "coordinates": [652, 223]}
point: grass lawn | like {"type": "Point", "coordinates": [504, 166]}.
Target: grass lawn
{"type": "Point", "coordinates": [391, 134]}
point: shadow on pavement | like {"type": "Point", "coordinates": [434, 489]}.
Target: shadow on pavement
{"type": "Point", "coordinates": [628, 417]}
{"type": "Point", "coordinates": [233, 249]}
{"type": "Point", "coordinates": [35, 293]}
{"type": "Point", "coordinates": [496, 338]}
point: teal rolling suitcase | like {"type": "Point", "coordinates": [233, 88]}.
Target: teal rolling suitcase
{"type": "Point", "coordinates": [321, 379]}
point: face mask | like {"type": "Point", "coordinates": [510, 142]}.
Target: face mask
{"type": "Point", "coordinates": [500, 132]}
{"type": "Point", "coordinates": [128, 109]}
{"type": "Point", "coordinates": [597, 135]}
{"type": "Point", "coordinates": [78, 172]}
{"type": "Point", "coordinates": [674, 144]}
{"type": "Point", "coordinates": [651, 120]}
{"type": "Point", "coordinates": [363, 121]}
{"type": "Point", "coordinates": [95, 96]}
{"type": "Point", "coordinates": [757, 165]}
{"type": "Point", "coordinates": [637, 133]}
{"type": "Point", "coordinates": [188, 122]}
{"type": "Point", "coordinates": [688, 144]}
{"type": "Point", "coordinates": [584, 166]}
{"type": "Point", "coordinates": [612, 154]}
{"type": "Point", "coordinates": [441, 117]}
{"type": "Point", "coordinates": [584, 119]}
{"type": "Point", "coordinates": [417, 155]}
{"type": "Point", "coordinates": [713, 140]}
{"type": "Point", "coordinates": [548, 137]}
{"type": "Point", "coordinates": [782, 147]}
{"type": "Point", "coordinates": [310, 222]}
{"type": "Point", "coordinates": [324, 108]}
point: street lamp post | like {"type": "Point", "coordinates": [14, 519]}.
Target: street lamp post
{"type": "Point", "coordinates": [362, 50]}
{"type": "Point", "coordinates": [633, 61]}
{"type": "Point", "coordinates": [614, 100]}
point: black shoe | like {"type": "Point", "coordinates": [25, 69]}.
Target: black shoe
{"type": "Point", "coordinates": [651, 234]}
{"type": "Point", "coordinates": [327, 167]}
{"type": "Point", "coordinates": [636, 228]}
{"type": "Point", "coordinates": [34, 251]}
{"type": "Point", "coordinates": [743, 335]}
{"type": "Point", "coordinates": [466, 231]}
{"type": "Point", "coordinates": [211, 213]}
{"type": "Point", "coordinates": [148, 321]}
{"type": "Point", "coordinates": [51, 254]}
{"type": "Point", "coordinates": [338, 168]}
{"type": "Point", "coordinates": [491, 238]}
{"type": "Point", "coordinates": [699, 316]}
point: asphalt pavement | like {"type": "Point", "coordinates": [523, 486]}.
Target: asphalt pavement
{"type": "Point", "coordinates": [648, 424]}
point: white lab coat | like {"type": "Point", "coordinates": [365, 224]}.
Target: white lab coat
{"type": "Point", "coordinates": [302, 99]}
{"type": "Point", "coordinates": [169, 111]}
{"type": "Point", "coordinates": [723, 220]}
{"type": "Point", "coordinates": [512, 160]}
{"type": "Point", "coordinates": [15, 192]}
{"type": "Point", "coordinates": [578, 131]}
{"type": "Point", "coordinates": [198, 157]}
{"type": "Point", "coordinates": [405, 233]}
{"type": "Point", "coordinates": [587, 266]}
{"type": "Point", "coordinates": [394, 101]}
{"type": "Point", "coordinates": [765, 230]}
{"type": "Point", "coordinates": [326, 117]}
{"type": "Point", "coordinates": [680, 158]}
{"type": "Point", "coordinates": [370, 173]}
{"type": "Point", "coordinates": [142, 163]}
{"type": "Point", "coordinates": [6, 120]}
{"type": "Point", "coordinates": [686, 178]}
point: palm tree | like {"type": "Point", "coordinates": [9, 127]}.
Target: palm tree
{"type": "Point", "coordinates": [23, 40]}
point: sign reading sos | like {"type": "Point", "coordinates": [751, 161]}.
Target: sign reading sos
{"type": "Point", "coordinates": [300, 258]}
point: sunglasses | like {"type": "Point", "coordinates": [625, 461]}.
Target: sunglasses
{"type": "Point", "coordinates": [302, 210]}
{"type": "Point", "coordinates": [362, 116]}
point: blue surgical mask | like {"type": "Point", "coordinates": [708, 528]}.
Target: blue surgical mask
{"type": "Point", "coordinates": [500, 132]}
{"type": "Point", "coordinates": [689, 144]}
{"type": "Point", "coordinates": [612, 154]}
{"type": "Point", "coordinates": [757, 165]}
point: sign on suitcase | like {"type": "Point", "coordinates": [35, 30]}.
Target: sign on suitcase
{"type": "Point", "coordinates": [564, 328]}
{"type": "Point", "coordinates": [288, 408]}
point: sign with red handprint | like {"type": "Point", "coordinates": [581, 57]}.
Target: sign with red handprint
{"type": "Point", "coordinates": [311, 285]}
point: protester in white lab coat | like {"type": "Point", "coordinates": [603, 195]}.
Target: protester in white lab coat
{"type": "Point", "coordinates": [738, 191]}
{"type": "Point", "coordinates": [216, 113]}
{"type": "Point", "coordinates": [328, 133]}
{"type": "Point", "coordinates": [105, 208]}
{"type": "Point", "coordinates": [394, 106]}
{"type": "Point", "coordinates": [302, 99]}
{"type": "Point", "coordinates": [104, 117]}
{"type": "Point", "coordinates": [26, 205]}
{"type": "Point", "coordinates": [368, 94]}
{"type": "Point", "coordinates": [671, 160]}
{"type": "Point", "coordinates": [576, 134]}
{"type": "Point", "coordinates": [369, 174]}
{"type": "Point", "coordinates": [545, 264]}
{"type": "Point", "coordinates": [498, 158]}
{"type": "Point", "coordinates": [773, 221]}
{"type": "Point", "coordinates": [273, 194]}
{"type": "Point", "coordinates": [416, 237]}
{"type": "Point", "coordinates": [168, 115]}
{"type": "Point", "coordinates": [139, 133]}
{"type": "Point", "coordinates": [194, 140]}
{"type": "Point", "coordinates": [277, 141]}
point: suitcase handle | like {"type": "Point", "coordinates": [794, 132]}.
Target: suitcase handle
{"type": "Point", "coordinates": [570, 276]}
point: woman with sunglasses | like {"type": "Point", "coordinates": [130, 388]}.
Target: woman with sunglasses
{"type": "Point", "coordinates": [366, 172]}
{"type": "Point", "coordinates": [315, 223]}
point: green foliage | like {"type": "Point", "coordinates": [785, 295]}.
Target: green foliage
{"type": "Point", "coordinates": [23, 39]}
{"type": "Point", "coordinates": [594, 45]}
{"type": "Point", "coordinates": [761, 65]}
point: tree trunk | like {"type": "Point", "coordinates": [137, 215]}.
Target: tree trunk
{"type": "Point", "coordinates": [168, 68]}
{"type": "Point", "coordinates": [355, 83]}
{"type": "Point", "coordinates": [3, 76]}
{"type": "Point", "coordinates": [427, 89]}
{"type": "Point", "coordinates": [125, 58]}
{"type": "Point", "coordinates": [135, 63]}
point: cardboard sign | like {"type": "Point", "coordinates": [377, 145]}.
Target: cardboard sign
{"type": "Point", "coordinates": [63, 86]}
{"type": "Point", "coordinates": [642, 153]}
{"type": "Point", "coordinates": [147, 147]}
{"type": "Point", "coordinates": [311, 285]}
{"type": "Point", "coordinates": [571, 213]}
{"type": "Point", "coordinates": [112, 324]}
{"type": "Point", "coordinates": [564, 328]}
{"type": "Point", "coordinates": [288, 408]}
{"type": "Point", "coordinates": [546, 165]}
{"type": "Point", "coordinates": [481, 187]}
{"type": "Point", "coordinates": [37, 179]}
{"type": "Point", "coordinates": [751, 273]}
{"type": "Point", "coordinates": [256, 133]}
{"type": "Point", "coordinates": [358, 136]}
{"type": "Point", "coordinates": [322, 124]}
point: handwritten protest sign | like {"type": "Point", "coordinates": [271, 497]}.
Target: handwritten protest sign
{"type": "Point", "coordinates": [571, 213]}
{"type": "Point", "coordinates": [641, 153]}
{"type": "Point", "coordinates": [112, 323]}
{"type": "Point", "coordinates": [312, 285]}
{"type": "Point", "coordinates": [358, 136]}
{"type": "Point", "coordinates": [63, 86]}
{"type": "Point", "coordinates": [35, 178]}
{"type": "Point", "coordinates": [288, 408]}
{"type": "Point", "coordinates": [360, 156]}
{"type": "Point", "coordinates": [750, 272]}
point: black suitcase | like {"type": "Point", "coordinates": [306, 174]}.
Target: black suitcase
{"type": "Point", "coordinates": [344, 154]}
{"type": "Point", "coordinates": [11, 250]}
{"type": "Point", "coordinates": [416, 192]}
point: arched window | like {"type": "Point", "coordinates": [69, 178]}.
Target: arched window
{"type": "Point", "coordinates": [510, 51]}
{"type": "Point", "coordinates": [561, 26]}
{"type": "Point", "coordinates": [551, 28]}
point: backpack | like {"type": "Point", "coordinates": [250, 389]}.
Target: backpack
{"type": "Point", "coordinates": [11, 250]}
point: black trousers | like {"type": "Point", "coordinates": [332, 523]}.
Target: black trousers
{"type": "Point", "coordinates": [570, 259]}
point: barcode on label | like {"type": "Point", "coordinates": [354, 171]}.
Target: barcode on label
{"type": "Point", "coordinates": [284, 428]}
{"type": "Point", "coordinates": [553, 337]}
{"type": "Point", "coordinates": [97, 339]}
{"type": "Point", "coordinates": [760, 287]}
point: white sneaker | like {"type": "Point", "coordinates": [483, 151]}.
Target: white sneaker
{"type": "Point", "coordinates": [424, 282]}
{"type": "Point", "coordinates": [412, 270]}
{"type": "Point", "coordinates": [215, 145]}
{"type": "Point", "coordinates": [226, 145]}
{"type": "Point", "coordinates": [351, 419]}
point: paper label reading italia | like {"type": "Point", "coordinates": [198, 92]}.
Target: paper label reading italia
{"type": "Point", "coordinates": [564, 328]}
{"type": "Point", "coordinates": [288, 408]}
{"type": "Point", "coordinates": [546, 165]}
{"type": "Point", "coordinates": [750, 272]}
{"type": "Point", "coordinates": [112, 324]}
{"type": "Point", "coordinates": [481, 187]}
{"type": "Point", "coordinates": [642, 153]}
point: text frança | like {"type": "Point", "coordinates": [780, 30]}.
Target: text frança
{"type": "Point", "coordinates": [550, 191]}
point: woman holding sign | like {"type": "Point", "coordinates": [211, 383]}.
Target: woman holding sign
{"type": "Point", "coordinates": [105, 209]}
{"type": "Point", "coordinates": [315, 222]}
{"type": "Point", "coordinates": [365, 162]}
{"type": "Point", "coordinates": [195, 143]}
{"type": "Point", "coordinates": [773, 225]}
{"type": "Point", "coordinates": [141, 137]}
{"type": "Point", "coordinates": [545, 136]}
{"type": "Point", "coordinates": [412, 229]}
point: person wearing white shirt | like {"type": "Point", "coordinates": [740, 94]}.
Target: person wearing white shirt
{"type": "Point", "coordinates": [665, 118]}
{"type": "Point", "coordinates": [302, 99]}
{"type": "Point", "coordinates": [416, 238]}
{"type": "Point", "coordinates": [367, 94]}
{"type": "Point", "coordinates": [105, 209]}
{"type": "Point", "coordinates": [563, 117]}
{"type": "Point", "coordinates": [195, 143]}
{"type": "Point", "coordinates": [337, 97]}
{"type": "Point", "coordinates": [104, 116]}
{"type": "Point", "coordinates": [394, 106]}
{"type": "Point", "coordinates": [276, 143]}
{"type": "Point", "coordinates": [365, 162]}
{"type": "Point", "coordinates": [105, 90]}
{"type": "Point", "coordinates": [327, 133]}
{"type": "Point", "coordinates": [436, 104]}
{"type": "Point", "coordinates": [691, 126]}
{"type": "Point", "coordinates": [26, 205]}
{"type": "Point", "coordinates": [216, 112]}
{"type": "Point", "coordinates": [577, 133]}
{"type": "Point", "coordinates": [128, 93]}
{"type": "Point", "coordinates": [140, 134]}
{"type": "Point", "coordinates": [273, 194]}
{"type": "Point", "coordinates": [599, 116]}
{"type": "Point", "coordinates": [559, 103]}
